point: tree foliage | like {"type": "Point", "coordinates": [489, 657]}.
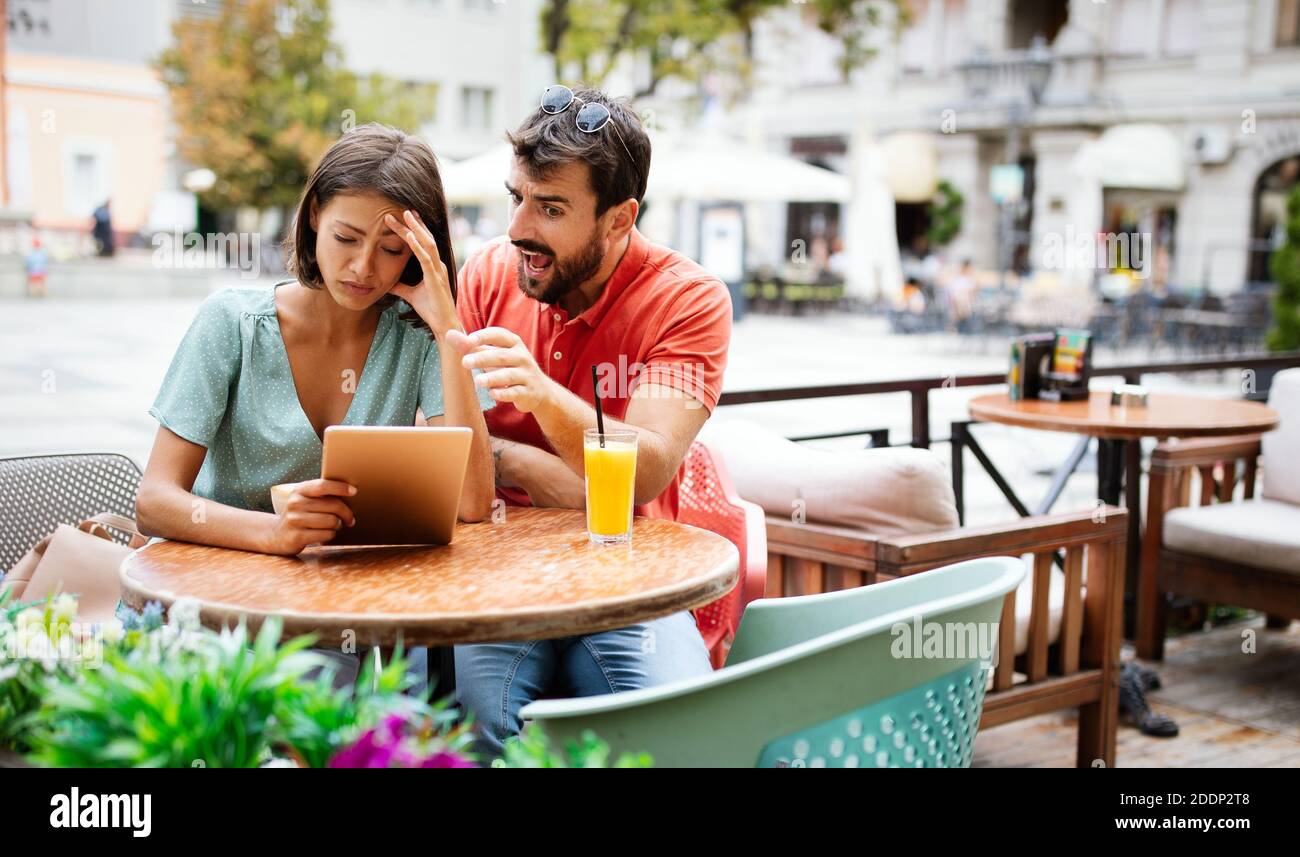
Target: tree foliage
{"type": "Point", "coordinates": [689, 39]}
{"type": "Point", "coordinates": [260, 91]}
{"type": "Point", "coordinates": [1285, 267]}
{"type": "Point", "coordinates": [944, 214]}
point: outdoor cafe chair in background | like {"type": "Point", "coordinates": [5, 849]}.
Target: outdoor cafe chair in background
{"type": "Point", "coordinates": [820, 681]}
{"type": "Point", "coordinates": [709, 501]}
{"type": "Point", "coordinates": [1244, 552]}
{"type": "Point", "coordinates": [844, 519]}
{"type": "Point", "coordinates": [39, 492]}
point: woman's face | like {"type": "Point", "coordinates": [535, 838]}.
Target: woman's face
{"type": "Point", "coordinates": [359, 257]}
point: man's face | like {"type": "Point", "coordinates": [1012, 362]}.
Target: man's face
{"type": "Point", "coordinates": [553, 225]}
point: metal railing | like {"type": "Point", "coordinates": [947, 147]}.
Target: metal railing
{"type": "Point", "coordinates": [919, 389]}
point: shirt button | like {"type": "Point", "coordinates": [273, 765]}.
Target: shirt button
{"type": "Point", "coordinates": [558, 355]}
{"type": "Point", "coordinates": [557, 316]}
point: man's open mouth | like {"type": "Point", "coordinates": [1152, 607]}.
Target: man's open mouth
{"type": "Point", "coordinates": [536, 264]}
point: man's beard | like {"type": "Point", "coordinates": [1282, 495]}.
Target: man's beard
{"type": "Point", "coordinates": [566, 274]}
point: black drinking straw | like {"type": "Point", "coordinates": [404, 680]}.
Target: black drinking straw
{"type": "Point", "coordinates": [600, 418]}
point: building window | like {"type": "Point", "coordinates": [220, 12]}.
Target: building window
{"type": "Point", "coordinates": [1029, 18]}
{"type": "Point", "coordinates": [914, 44]}
{"type": "Point", "coordinates": [1182, 27]}
{"type": "Point", "coordinates": [86, 170]}
{"type": "Point", "coordinates": [1288, 23]}
{"type": "Point", "coordinates": [1130, 24]}
{"type": "Point", "coordinates": [955, 37]}
{"type": "Point", "coordinates": [426, 94]}
{"type": "Point", "coordinates": [476, 107]}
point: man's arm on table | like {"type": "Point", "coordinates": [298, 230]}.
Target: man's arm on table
{"type": "Point", "coordinates": [546, 478]}
{"type": "Point", "coordinates": [665, 418]}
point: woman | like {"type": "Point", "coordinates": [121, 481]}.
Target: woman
{"type": "Point", "coordinates": [262, 372]}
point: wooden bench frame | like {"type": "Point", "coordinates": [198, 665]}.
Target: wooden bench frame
{"type": "Point", "coordinates": [1166, 572]}
{"type": "Point", "coordinates": [1080, 670]}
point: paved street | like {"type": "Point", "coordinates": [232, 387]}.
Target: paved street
{"type": "Point", "coordinates": [81, 374]}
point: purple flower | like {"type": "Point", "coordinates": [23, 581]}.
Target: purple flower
{"type": "Point", "coordinates": [365, 752]}
{"type": "Point", "coordinates": [382, 747]}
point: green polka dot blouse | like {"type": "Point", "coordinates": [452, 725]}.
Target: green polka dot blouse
{"type": "Point", "coordinates": [230, 389]}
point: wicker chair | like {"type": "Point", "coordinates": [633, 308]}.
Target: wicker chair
{"type": "Point", "coordinates": [709, 501]}
{"type": "Point", "coordinates": [39, 492]}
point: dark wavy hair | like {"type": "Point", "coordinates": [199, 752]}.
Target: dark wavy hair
{"type": "Point", "coordinates": [545, 142]}
{"type": "Point", "coordinates": [379, 159]}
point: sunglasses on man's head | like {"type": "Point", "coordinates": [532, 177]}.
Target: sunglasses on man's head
{"type": "Point", "coordinates": [591, 119]}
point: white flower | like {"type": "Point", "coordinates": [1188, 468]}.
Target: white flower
{"type": "Point", "coordinates": [65, 607]}
{"type": "Point", "coordinates": [184, 614]}
{"type": "Point", "coordinates": [33, 644]}
{"type": "Point", "coordinates": [92, 653]}
{"type": "Point", "coordinates": [111, 632]}
{"type": "Point", "coordinates": [32, 617]}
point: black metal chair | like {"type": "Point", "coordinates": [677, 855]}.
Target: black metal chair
{"type": "Point", "coordinates": [39, 492]}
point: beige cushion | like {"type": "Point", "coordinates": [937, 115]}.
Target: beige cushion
{"type": "Point", "coordinates": [1282, 446]}
{"type": "Point", "coordinates": [1025, 603]}
{"type": "Point", "coordinates": [1260, 533]}
{"type": "Point", "coordinates": [883, 492]}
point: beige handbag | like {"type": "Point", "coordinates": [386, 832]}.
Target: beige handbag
{"type": "Point", "coordinates": [83, 560]}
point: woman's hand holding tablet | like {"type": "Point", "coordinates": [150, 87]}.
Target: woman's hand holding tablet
{"type": "Point", "coordinates": [310, 513]}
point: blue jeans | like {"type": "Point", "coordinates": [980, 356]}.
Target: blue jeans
{"type": "Point", "coordinates": [495, 680]}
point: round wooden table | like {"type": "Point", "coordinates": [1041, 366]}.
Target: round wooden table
{"type": "Point", "coordinates": [1165, 415]}
{"type": "Point", "coordinates": [534, 575]}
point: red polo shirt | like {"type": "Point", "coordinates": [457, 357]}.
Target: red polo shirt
{"type": "Point", "coordinates": [661, 319]}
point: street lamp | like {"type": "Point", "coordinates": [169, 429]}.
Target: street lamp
{"type": "Point", "coordinates": [977, 72]}
{"type": "Point", "coordinates": [1038, 68]}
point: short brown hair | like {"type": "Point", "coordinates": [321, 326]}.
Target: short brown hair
{"type": "Point", "coordinates": [380, 159]}
{"type": "Point", "coordinates": [545, 141]}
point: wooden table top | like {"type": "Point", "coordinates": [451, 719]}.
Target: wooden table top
{"type": "Point", "coordinates": [1165, 415]}
{"type": "Point", "coordinates": [533, 576]}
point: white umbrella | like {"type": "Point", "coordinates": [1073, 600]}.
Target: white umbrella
{"type": "Point", "coordinates": [700, 170]}
{"type": "Point", "coordinates": [480, 178]}
{"type": "Point", "coordinates": [716, 169]}
{"type": "Point", "coordinates": [874, 268]}
{"type": "Point", "coordinates": [1145, 156]}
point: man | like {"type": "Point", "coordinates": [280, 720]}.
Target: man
{"type": "Point", "coordinates": [574, 284]}
{"type": "Point", "coordinates": [102, 231]}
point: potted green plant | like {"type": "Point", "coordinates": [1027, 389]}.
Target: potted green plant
{"type": "Point", "coordinates": [1285, 268]}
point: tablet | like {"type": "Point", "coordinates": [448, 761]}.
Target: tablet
{"type": "Point", "coordinates": [408, 481]}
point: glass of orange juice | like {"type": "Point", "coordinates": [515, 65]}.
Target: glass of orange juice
{"type": "Point", "coordinates": [611, 482]}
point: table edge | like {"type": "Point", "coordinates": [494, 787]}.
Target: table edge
{"type": "Point", "coordinates": [531, 623]}
{"type": "Point", "coordinates": [1119, 433]}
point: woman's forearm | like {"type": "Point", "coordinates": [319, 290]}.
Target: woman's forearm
{"type": "Point", "coordinates": [461, 408]}
{"type": "Point", "coordinates": [170, 512]}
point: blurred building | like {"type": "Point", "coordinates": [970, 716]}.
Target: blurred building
{"type": "Point", "coordinates": [86, 117]}
{"type": "Point", "coordinates": [1178, 119]}
{"type": "Point", "coordinates": [482, 55]}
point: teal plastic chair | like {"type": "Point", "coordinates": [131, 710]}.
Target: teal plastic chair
{"type": "Point", "coordinates": [843, 679]}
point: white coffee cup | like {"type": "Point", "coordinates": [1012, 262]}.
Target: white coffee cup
{"type": "Point", "coordinates": [280, 495]}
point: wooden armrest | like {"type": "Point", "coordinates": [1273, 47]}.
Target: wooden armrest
{"type": "Point", "coordinates": [784, 535]}
{"type": "Point", "coordinates": [1199, 452]}
{"type": "Point", "coordinates": [1027, 535]}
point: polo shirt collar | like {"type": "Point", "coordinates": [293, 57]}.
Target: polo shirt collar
{"type": "Point", "coordinates": [628, 269]}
